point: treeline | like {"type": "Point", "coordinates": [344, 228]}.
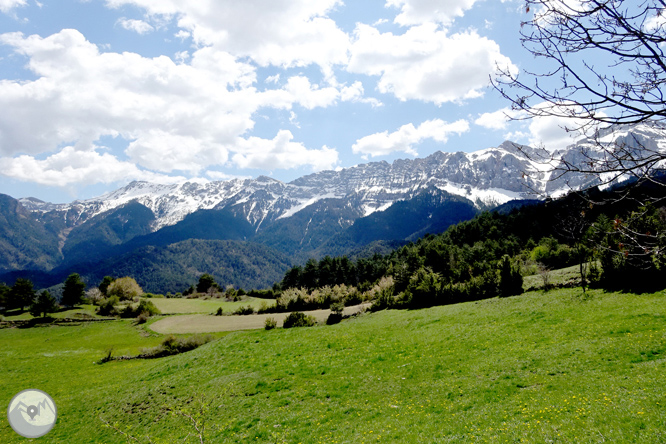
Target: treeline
{"type": "Point", "coordinates": [487, 256]}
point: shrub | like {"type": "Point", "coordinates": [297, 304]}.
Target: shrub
{"type": "Point", "coordinates": [144, 306]}
{"type": "Point", "coordinates": [299, 319]}
{"type": "Point", "coordinates": [172, 346]}
{"type": "Point", "coordinates": [107, 306]}
{"type": "Point", "coordinates": [334, 318]}
{"type": "Point", "coordinates": [142, 318]}
{"type": "Point", "coordinates": [270, 323]}
{"type": "Point", "coordinates": [124, 288]}
{"type": "Point", "coordinates": [510, 279]}
{"type": "Point", "coordinates": [244, 310]}
{"type": "Point", "coordinates": [219, 311]}
{"type": "Point", "coordinates": [383, 299]}
{"type": "Point", "coordinates": [266, 308]}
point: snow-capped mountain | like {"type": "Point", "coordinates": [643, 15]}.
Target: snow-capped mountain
{"type": "Point", "coordinates": [488, 178]}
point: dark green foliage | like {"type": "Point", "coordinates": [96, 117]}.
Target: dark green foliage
{"type": "Point", "coordinates": [298, 319]}
{"type": "Point", "coordinates": [173, 346]}
{"type": "Point", "coordinates": [96, 238]}
{"type": "Point", "coordinates": [219, 311]}
{"type": "Point", "coordinates": [73, 291]}
{"type": "Point", "coordinates": [163, 269]}
{"type": "Point", "coordinates": [244, 310]}
{"type": "Point", "coordinates": [22, 294]}
{"type": "Point", "coordinates": [632, 253]}
{"type": "Point", "coordinates": [263, 294]}
{"type": "Point", "coordinates": [206, 281]}
{"type": "Point", "coordinates": [25, 242]}
{"type": "Point", "coordinates": [510, 279]}
{"type": "Point", "coordinates": [4, 295]}
{"type": "Point", "coordinates": [104, 285]}
{"type": "Point", "coordinates": [44, 304]}
{"type": "Point", "coordinates": [144, 307]}
{"type": "Point", "coordinates": [336, 313]}
{"type": "Point", "coordinates": [107, 307]}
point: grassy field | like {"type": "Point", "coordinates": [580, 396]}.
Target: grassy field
{"type": "Point", "coordinates": [83, 310]}
{"type": "Point", "coordinates": [207, 324]}
{"type": "Point", "coordinates": [542, 367]}
{"type": "Point", "coordinates": [183, 305]}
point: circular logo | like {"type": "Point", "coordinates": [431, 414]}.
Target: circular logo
{"type": "Point", "coordinates": [32, 413]}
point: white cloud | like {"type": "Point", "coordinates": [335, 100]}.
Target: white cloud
{"type": "Point", "coordinates": [7, 5]}
{"type": "Point", "coordinates": [404, 139]}
{"type": "Point", "coordinates": [277, 32]}
{"type": "Point", "coordinates": [161, 151]}
{"type": "Point", "coordinates": [497, 119]}
{"type": "Point", "coordinates": [549, 133]}
{"type": "Point", "coordinates": [415, 12]}
{"type": "Point", "coordinates": [179, 117]}
{"type": "Point", "coordinates": [273, 79]}
{"type": "Point", "coordinates": [282, 153]}
{"type": "Point", "coordinates": [425, 63]}
{"type": "Point", "coordinates": [70, 167]}
{"type": "Point", "coordinates": [138, 26]}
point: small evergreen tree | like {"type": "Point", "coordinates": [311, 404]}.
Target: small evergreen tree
{"type": "Point", "coordinates": [104, 285]}
{"type": "Point", "coordinates": [510, 279]}
{"type": "Point", "coordinates": [74, 290]}
{"type": "Point", "coordinates": [44, 304]}
{"type": "Point", "coordinates": [22, 294]}
{"type": "Point", "coordinates": [4, 296]}
{"type": "Point", "coordinates": [206, 281]}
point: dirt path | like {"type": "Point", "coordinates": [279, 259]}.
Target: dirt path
{"type": "Point", "coordinates": [204, 323]}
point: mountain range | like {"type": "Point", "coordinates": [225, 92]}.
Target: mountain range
{"type": "Point", "coordinates": [364, 208]}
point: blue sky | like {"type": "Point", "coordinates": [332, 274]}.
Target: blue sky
{"type": "Point", "coordinates": [97, 93]}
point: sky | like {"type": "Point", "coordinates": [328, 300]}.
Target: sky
{"type": "Point", "coordinates": [97, 93]}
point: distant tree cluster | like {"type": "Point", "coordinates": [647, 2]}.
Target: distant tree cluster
{"type": "Point", "coordinates": [488, 256]}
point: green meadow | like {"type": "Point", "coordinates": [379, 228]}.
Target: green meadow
{"type": "Point", "coordinates": [543, 367]}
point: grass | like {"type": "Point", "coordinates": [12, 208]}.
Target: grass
{"type": "Point", "coordinates": [199, 323]}
{"type": "Point", "coordinates": [183, 305]}
{"type": "Point", "coordinates": [85, 310]}
{"type": "Point", "coordinates": [559, 277]}
{"type": "Point", "coordinates": [542, 367]}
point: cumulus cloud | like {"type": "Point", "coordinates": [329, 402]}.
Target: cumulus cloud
{"type": "Point", "coordinates": [414, 12]}
{"type": "Point", "coordinates": [7, 5]}
{"type": "Point", "coordinates": [404, 139]}
{"type": "Point", "coordinates": [138, 26]}
{"type": "Point", "coordinates": [499, 119]}
{"type": "Point", "coordinates": [282, 153]}
{"type": "Point", "coordinates": [73, 167]}
{"type": "Point", "coordinates": [178, 116]}
{"type": "Point", "coordinates": [425, 63]}
{"type": "Point", "coordinates": [277, 32]}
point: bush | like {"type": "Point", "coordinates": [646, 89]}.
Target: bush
{"type": "Point", "coordinates": [299, 319]}
{"type": "Point", "coordinates": [219, 311]}
{"type": "Point", "coordinates": [172, 346]}
{"type": "Point", "coordinates": [244, 310]}
{"type": "Point", "coordinates": [142, 318]}
{"type": "Point", "coordinates": [144, 306]}
{"type": "Point", "coordinates": [334, 318]}
{"type": "Point", "coordinates": [266, 308]}
{"type": "Point", "coordinates": [270, 323]}
{"type": "Point", "coordinates": [124, 288]}
{"type": "Point", "coordinates": [107, 306]}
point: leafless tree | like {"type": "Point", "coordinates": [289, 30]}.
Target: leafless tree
{"type": "Point", "coordinates": [600, 64]}
{"type": "Point", "coordinates": [600, 67]}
